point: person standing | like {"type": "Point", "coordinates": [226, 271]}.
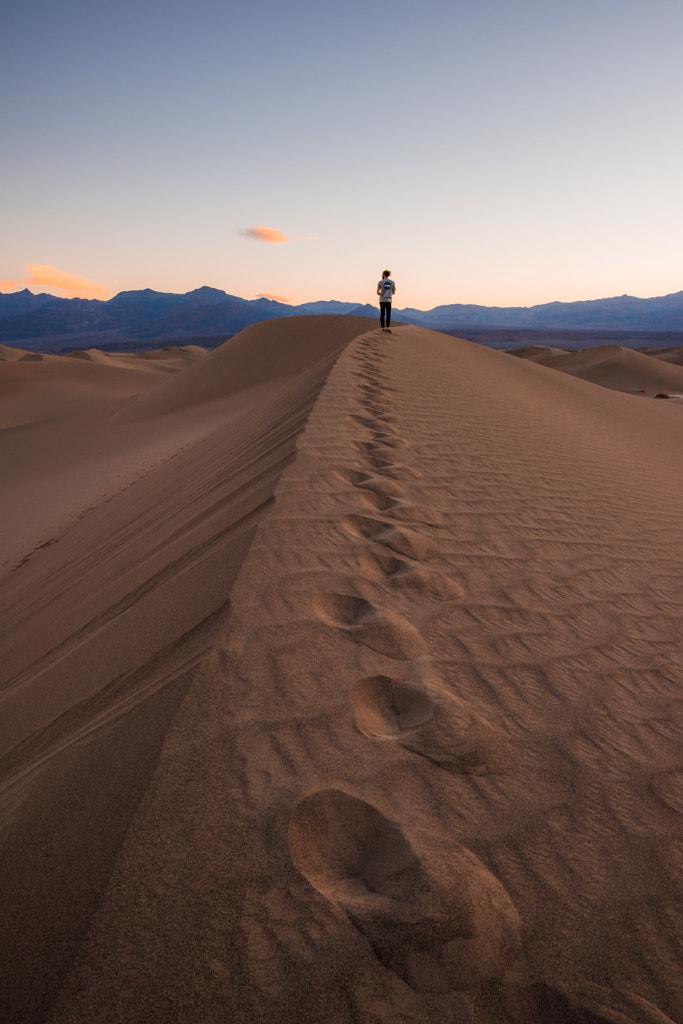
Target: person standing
{"type": "Point", "coordinates": [385, 290]}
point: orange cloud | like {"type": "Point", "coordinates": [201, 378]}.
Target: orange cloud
{"type": "Point", "coordinates": [273, 298]}
{"type": "Point", "coordinates": [269, 235]}
{"type": "Point", "coordinates": [273, 237]}
{"type": "Point", "coordinates": [74, 286]}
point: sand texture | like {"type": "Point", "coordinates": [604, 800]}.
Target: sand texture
{"type": "Point", "coordinates": [364, 707]}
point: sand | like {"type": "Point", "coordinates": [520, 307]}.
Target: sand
{"type": "Point", "coordinates": [361, 705]}
{"type": "Point", "coordinates": [652, 373]}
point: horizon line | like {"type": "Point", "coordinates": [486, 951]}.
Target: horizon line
{"type": "Point", "coordinates": [308, 302]}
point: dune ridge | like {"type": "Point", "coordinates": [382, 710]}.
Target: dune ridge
{"type": "Point", "coordinates": [106, 621]}
{"type": "Point", "coordinates": [430, 767]}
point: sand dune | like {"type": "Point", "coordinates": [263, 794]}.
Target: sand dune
{"type": "Point", "coordinates": [105, 621]}
{"type": "Point", "coordinates": [615, 367]}
{"type": "Point", "coordinates": [63, 449]}
{"type": "Point", "coordinates": [402, 745]}
{"type": "Point", "coordinates": [41, 387]}
{"type": "Point", "coordinates": [667, 355]}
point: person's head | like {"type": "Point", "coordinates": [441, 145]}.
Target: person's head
{"type": "Point", "coordinates": [386, 273]}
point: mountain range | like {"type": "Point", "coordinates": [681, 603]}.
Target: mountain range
{"type": "Point", "coordinates": [146, 318]}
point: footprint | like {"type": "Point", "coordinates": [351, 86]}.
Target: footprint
{"type": "Point", "coordinates": [376, 407]}
{"type": "Point", "coordinates": [385, 709]}
{"type": "Point", "coordinates": [378, 484]}
{"type": "Point", "coordinates": [380, 428]}
{"type": "Point", "coordinates": [382, 485]}
{"type": "Point", "coordinates": [438, 918]}
{"type": "Point", "coordinates": [373, 423]}
{"type": "Point", "coordinates": [399, 510]}
{"type": "Point", "coordinates": [388, 444]}
{"type": "Point", "coordinates": [405, 542]}
{"type": "Point", "coordinates": [385, 568]}
{"type": "Point", "coordinates": [418, 514]}
{"type": "Point", "coordinates": [364, 526]}
{"type": "Point", "coordinates": [392, 441]}
{"type": "Point", "coordinates": [447, 734]}
{"type": "Point", "coordinates": [352, 476]}
{"type": "Point", "coordinates": [380, 448]}
{"type": "Point", "coordinates": [411, 544]}
{"type": "Point", "coordinates": [379, 629]}
{"type": "Point", "coordinates": [379, 502]}
{"type": "Point", "coordinates": [460, 742]}
{"type": "Point", "coordinates": [390, 468]}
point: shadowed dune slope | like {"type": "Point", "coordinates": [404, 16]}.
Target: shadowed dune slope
{"type": "Point", "coordinates": [51, 386]}
{"type": "Point", "coordinates": [667, 355]}
{"type": "Point", "coordinates": [105, 623]}
{"type": "Point", "coordinates": [430, 770]}
{"type": "Point", "coordinates": [614, 367]}
{"type": "Point", "coordinates": [253, 357]}
{"type": "Point", "coordinates": [63, 451]}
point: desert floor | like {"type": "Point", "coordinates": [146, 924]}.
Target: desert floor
{"type": "Point", "coordinates": [341, 682]}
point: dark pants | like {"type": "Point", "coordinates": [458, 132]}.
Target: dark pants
{"type": "Point", "coordinates": [385, 314]}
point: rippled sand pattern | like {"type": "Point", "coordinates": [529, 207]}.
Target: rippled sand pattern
{"type": "Point", "coordinates": [430, 770]}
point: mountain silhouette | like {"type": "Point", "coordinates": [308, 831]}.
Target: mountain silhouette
{"type": "Point", "coordinates": [147, 318]}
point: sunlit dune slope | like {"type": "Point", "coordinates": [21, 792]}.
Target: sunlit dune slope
{"type": "Point", "coordinates": [431, 769]}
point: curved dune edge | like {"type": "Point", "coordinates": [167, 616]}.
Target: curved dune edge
{"type": "Point", "coordinates": [650, 373]}
{"type": "Point", "coordinates": [104, 626]}
{"type": "Point", "coordinates": [422, 770]}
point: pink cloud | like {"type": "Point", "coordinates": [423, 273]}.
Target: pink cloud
{"type": "Point", "coordinates": [273, 237]}
{"type": "Point", "coordinates": [273, 298]}
{"type": "Point", "coordinates": [269, 235]}
{"type": "Point", "coordinates": [49, 277]}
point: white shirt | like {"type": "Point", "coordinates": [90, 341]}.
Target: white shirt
{"type": "Point", "coordinates": [386, 289]}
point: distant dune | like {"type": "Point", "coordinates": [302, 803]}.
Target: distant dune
{"type": "Point", "coordinates": [616, 367]}
{"type": "Point", "coordinates": [341, 682]}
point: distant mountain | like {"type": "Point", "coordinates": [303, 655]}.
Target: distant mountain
{"type": "Point", "coordinates": [147, 318]}
{"type": "Point", "coordinates": [58, 317]}
{"type": "Point", "coordinates": [622, 313]}
{"type": "Point", "coordinates": [19, 303]}
{"type": "Point", "coordinates": [331, 308]}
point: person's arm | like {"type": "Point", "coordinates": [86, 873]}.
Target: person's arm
{"type": "Point", "coordinates": [379, 288]}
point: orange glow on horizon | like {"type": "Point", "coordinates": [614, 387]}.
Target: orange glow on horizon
{"type": "Point", "coordinates": [39, 276]}
{"type": "Point", "coordinates": [273, 298]}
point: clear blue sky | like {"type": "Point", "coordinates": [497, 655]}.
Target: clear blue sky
{"type": "Point", "coordinates": [505, 153]}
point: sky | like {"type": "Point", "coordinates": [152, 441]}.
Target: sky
{"type": "Point", "coordinates": [499, 152]}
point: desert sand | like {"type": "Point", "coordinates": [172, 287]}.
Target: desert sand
{"type": "Point", "coordinates": [341, 683]}
{"type": "Point", "coordinates": [650, 373]}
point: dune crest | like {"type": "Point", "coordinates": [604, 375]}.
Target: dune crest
{"type": "Point", "coordinates": [106, 621]}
